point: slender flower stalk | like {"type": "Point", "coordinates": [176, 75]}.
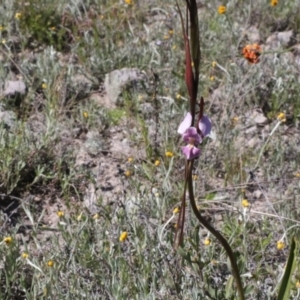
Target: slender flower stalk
{"type": "Point", "coordinates": [194, 131]}
{"type": "Point", "coordinates": [216, 233]}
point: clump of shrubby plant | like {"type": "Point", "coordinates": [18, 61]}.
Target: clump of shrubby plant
{"type": "Point", "coordinates": [43, 24]}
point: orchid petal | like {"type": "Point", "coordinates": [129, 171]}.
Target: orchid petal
{"type": "Point", "coordinates": [205, 125]}
{"type": "Point", "coordinates": [191, 136]}
{"type": "Point", "coordinates": [190, 152]}
{"type": "Point", "coordinates": [185, 124]}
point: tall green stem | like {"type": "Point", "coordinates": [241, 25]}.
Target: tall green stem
{"type": "Point", "coordinates": [217, 234]}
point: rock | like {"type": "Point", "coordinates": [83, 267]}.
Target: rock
{"type": "Point", "coordinates": [116, 80]}
{"type": "Point", "coordinates": [286, 38]}
{"type": "Point", "coordinates": [103, 100]}
{"type": "Point", "coordinates": [283, 39]}
{"type": "Point", "coordinates": [257, 194]}
{"type": "Point", "coordinates": [253, 35]}
{"type": "Point", "coordinates": [14, 87]}
{"type": "Point", "coordinates": [256, 117]}
{"type": "Point", "coordinates": [260, 119]}
{"type": "Point", "coordinates": [272, 39]}
{"type": "Point", "coordinates": [251, 130]}
{"type": "Point", "coordinates": [252, 142]}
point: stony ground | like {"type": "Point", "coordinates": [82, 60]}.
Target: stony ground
{"type": "Point", "coordinates": [91, 98]}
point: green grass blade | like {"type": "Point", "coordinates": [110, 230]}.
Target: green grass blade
{"type": "Point", "coordinates": [285, 286]}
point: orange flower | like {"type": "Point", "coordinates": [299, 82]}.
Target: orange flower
{"type": "Point", "coordinates": [252, 53]}
{"type": "Point", "coordinates": [274, 2]}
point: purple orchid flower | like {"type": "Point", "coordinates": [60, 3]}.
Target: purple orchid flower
{"type": "Point", "coordinates": [185, 124]}
{"type": "Point", "coordinates": [204, 125]}
{"type": "Point", "coordinates": [193, 139]}
{"type": "Point", "coordinates": [190, 135]}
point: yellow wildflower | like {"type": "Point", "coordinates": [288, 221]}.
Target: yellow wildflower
{"type": "Point", "coordinates": [176, 210]}
{"type": "Point", "coordinates": [157, 163]}
{"type": "Point", "coordinates": [178, 96]}
{"type": "Point", "coordinates": [213, 64]}
{"type": "Point", "coordinates": [298, 284]}
{"type": "Point", "coordinates": [130, 159]}
{"type": "Point", "coordinates": [1, 28]}
{"type": "Point", "coordinates": [44, 86]}
{"type": "Point", "coordinates": [123, 236]}
{"type": "Point", "coordinates": [245, 203]}
{"type": "Point", "coordinates": [129, 2]}
{"type": "Point", "coordinates": [8, 240]}
{"type": "Point", "coordinates": [297, 175]}
{"type": "Point", "coordinates": [85, 114]}
{"type": "Point", "coordinates": [169, 154]}
{"type": "Point", "coordinates": [18, 16]}
{"type": "Point", "coordinates": [25, 255]}
{"type": "Point", "coordinates": [166, 37]}
{"type": "Point", "coordinates": [79, 217]}
{"type": "Point", "coordinates": [96, 216]}
{"type": "Point", "coordinates": [222, 9]}
{"type": "Point", "coordinates": [207, 242]}
{"type": "Point", "coordinates": [212, 78]}
{"type": "Point", "coordinates": [3, 41]}
{"type": "Point", "coordinates": [280, 245]}
{"type": "Point", "coordinates": [50, 263]}
{"type": "Point", "coordinates": [195, 177]}
{"type": "Point", "coordinates": [235, 120]}
{"type": "Point", "coordinates": [171, 32]}
{"type": "Point", "coordinates": [53, 28]}
{"type": "Point", "coordinates": [174, 47]}
{"type": "Point", "coordinates": [274, 2]}
{"type": "Point", "coordinates": [127, 173]}
{"type": "Point", "coordinates": [281, 117]}
{"type": "Point", "coordinates": [60, 214]}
